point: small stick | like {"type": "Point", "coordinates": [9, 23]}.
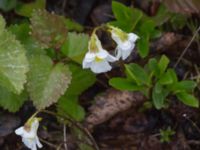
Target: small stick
{"type": "Point", "coordinates": [185, 50]}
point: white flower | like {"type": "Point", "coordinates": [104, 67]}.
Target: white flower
{"type": "Point", "coordinates": [125, 42]}
{"type": "Point", "coordinates": [97, 58]}
{"type": "Point", "coordinates": [29, 134]}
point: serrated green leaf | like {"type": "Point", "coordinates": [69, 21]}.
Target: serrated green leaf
{"type": "Point", "coordinates": [26, 9]}
{"type": "Point", "coordinates": [48, 29]}
{"type": "Point", "coordinates": [13, 61]}
{"type": "Point", "coordinates": [138, 74]}
{"type": "Point", "coordinates": [124, 84]}
{"type": "Point", "coordinates": [7, 5]}
{"type": "Point", "coordinates": [21, 32]}
{"type": "Point", "coordinates": [163, 63]}
{"type": "Point", "coordinates": [10, 101]}
{"type": "Point", "coordinates": [188, 99]}
{"type": "Point", "coordinates": [81, 80]}
{"type": "Point", "coordinates": [75, 46]}
{"type": "Point", "coordinates": [47, 82]}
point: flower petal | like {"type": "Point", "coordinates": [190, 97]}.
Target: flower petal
{"type": "Point", "coordinates": [19, 131]}
{"type": "Point", "coordinates": [132, 37]}
{"type": "Point", "coordinates": [111, 58]}
{"type": "Point", "coordinates": [86, 64]}
{"type": "Point", "coordinates": [102, 54]}
{"type": "Point", "coordinates": [38, 143]}
{"type": "Point", "coordinates": [89, 57]}
{"type": "Point", "coordinates": [100, 67]}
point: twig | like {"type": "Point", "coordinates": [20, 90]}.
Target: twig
{"type": "Point", "coordinates": [79, 126]}
{"type": "Point", "coordinates": [65, 137]}
{"type": "Point", "coordinates": [185, 50]}
{"type": "Point", "coordinates": [48, 143]}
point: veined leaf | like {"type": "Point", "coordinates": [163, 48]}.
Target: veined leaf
{"type": "Point", "coordinates": [13, 61]}
{"type": "Point", "coordinates": [76, 46]}
{"type": "Point", "coordinates": [47, 82]}
{"type": "Point", "coordinates": [10, 101]}
{"type": "Point", "coordinates": [48, 29]}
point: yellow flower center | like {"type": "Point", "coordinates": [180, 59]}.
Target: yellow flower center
{"type": "Point", "coordinates": [97, 59]}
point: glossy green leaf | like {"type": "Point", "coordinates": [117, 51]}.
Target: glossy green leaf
{"type": "Point", "coordinates": [138, 74]}
{"type": "Point", "coordinates": [124, 84]}
{"type": "Point", "coordinates": [76, 46]}
{"type": "Point", "coordinates": [10, 101]}
{"type": "Point", "coordinates": [188, 99]}
{"type": "Point", "coordinates": [143, 46]}
{"type": "Point", "coordinates": [73, 26]}
{"type": "Point", "coordinates": [126, 17]}
{"type": "Point", "coordinates": [81, 81]}
{"type": "Point", "coordinates": [47, 82]}
{"type": "Point", "coordinates": [163, 63]}
{"type": "Point", "coordinates": [159, 95]}
{"type": "Point", "coordinates": [70, 107]}
{"type": "Point", "coordinates": [166, 78]}
{"type": "Point", "coordinates": [173, 75]}
{"type": "Point", "coordinates": [153, 67]}
{"type": "Point", "coordinates": [13, 61]}
{"type": "Point", "coordinates": [26, 9]}
{"type": "Point", "coordinates": [185, 85]}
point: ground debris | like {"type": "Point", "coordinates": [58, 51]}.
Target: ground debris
{"type": "Point", "coordinates": [110, 103]}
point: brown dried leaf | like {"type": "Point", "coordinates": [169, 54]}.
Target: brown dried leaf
{"type": "Point", "coordinates": [48, 28]}
{"type": "Point", "coordinates": [110, 103]}
{"type": "Point", "coordinates": [183, 6]}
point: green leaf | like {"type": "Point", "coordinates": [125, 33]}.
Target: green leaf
{"type": "Point", "coordinates": [159, 94]}
{"type": "Point", "coordinates": [126, 18]}
{"type": "Point", "coordinates": [7, 5]}
{"type": "Point", "coordinates": [13, 61]}
{"type": "Point", "coordinates": [26, 10]}
{"type": "Point", "coordinates": [153, 67]}
{"type": "Point", "coordinates": [76, 46]}
{"type": "Point", "coordinates": [185, 85]}
{"type": "Point", "coordinates": [143, 46]}
{"type": "Point", "coordinates": [123, 84]}
{"type": "Point", "coordinates": [163, 63]}
{"type": "Point", "coordinates": [188, 99]}
{"type": "Point", "coordinates": [21, 32]}
{"type": "Point", "coordinates": [48, 29]}
{"type": "Point", "coordinates": [70, 107]}
{"type": "Point", "coordinates": [47, 82]}
{"type": "Point", "coordinates": [10, 101]}
{"type": "Point", "coordinates": [166, 78]}
{"type": "Point", "coordinates": [73, 26]}
{"type": "Point", "coordinates": [138, 74]}
{"type": "Point", "coordinates": [173, 75]}
{"type": "Point", "coordinates": [81, 80]}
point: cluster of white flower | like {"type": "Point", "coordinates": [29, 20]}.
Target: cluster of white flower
{"type": "Point", "coordinates": [28, 132]}
{"type": "Point", "coordinates": [97, 58]}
